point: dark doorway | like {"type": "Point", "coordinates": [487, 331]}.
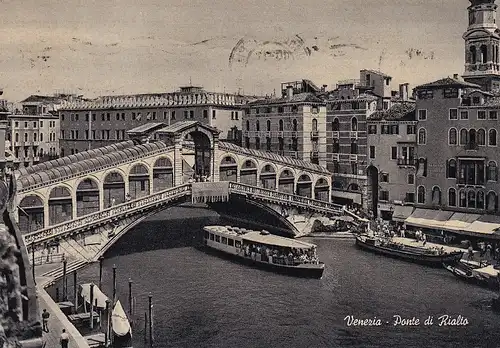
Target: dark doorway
{"type": "Point", "coordinates": [372, 174]}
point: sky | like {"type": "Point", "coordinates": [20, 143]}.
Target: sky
{"type": "Point", "coordinates": [107, 47]}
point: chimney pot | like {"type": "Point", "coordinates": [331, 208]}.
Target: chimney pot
{"type": "Point", "coordinates": [289, 92]}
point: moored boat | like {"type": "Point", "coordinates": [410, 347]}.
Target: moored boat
{"type": "Point", "coordinates": [264, 250]}
{"type": "Point", "coordinates": [480, 274]}
{"type": "Point", "coordinates": [418, 255]}
{"type": "Point", "coordinates": [122, 331]}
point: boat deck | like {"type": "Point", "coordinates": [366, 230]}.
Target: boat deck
{"type": "Point", "coordinates": [413, 243]}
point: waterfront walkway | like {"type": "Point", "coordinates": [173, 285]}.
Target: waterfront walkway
{"type": "Point", "coordinates": [58, 320]}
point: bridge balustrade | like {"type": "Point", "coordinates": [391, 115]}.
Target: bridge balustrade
{"type": "Point", "coordinates": [90, 171]}
{"type": "Point", "coordinates": [284, 197]}
{"type": "Point", "coordinates": [104, 215]}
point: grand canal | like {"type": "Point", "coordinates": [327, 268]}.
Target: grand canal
{"type": "Point", "coordinates": [204, 301]}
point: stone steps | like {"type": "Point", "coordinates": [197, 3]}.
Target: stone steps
{"type": "Point", "coordinates": [70, 267]}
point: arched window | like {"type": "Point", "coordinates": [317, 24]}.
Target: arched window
{"type": "Point", "coordinates": [472, 137]}
{"type": "Point", "coordinates": [17, 137]}
{"type": "Point", "coordinates": [354, 124]}
{"type": "Point", "coordinates": [315, 125]}
{"type": "Point", "coordinates": [25, 137]}
{"type": "Point", "coordinates": [294, 124]}
{"type": "Point", "coordinates": [436, 195]}
{"type": "Point", "coordinates": [492, 174]}
{"type": "Point", "coordinates": [473, 55]}
{"type": "Point", "coordinates": [335, 125]}
{"type": "Point", "coordinates": [452, 136]}
{"type": "Point", "coordinates": [480, 200]}
{"type": "Point", "coordinates": [452, 197]}
{"type": "Point", "coordinates": [491, 202]}
{"type": "Point", "coordinates": [248, 125]}
{"type": "Point", "coordinates": [422, 136]}
{"type": "Point", "coordinates": [484, 54]}
{"type": "Point", "coordinates": [268, 124]}
{"type": "Point", "coordinates": [471, 199]}
{"type": "Point", "coordinates": [354, 147]}
{"type": "Point", "coordinates": [462, 199]}
{"type": "Point", "coordinates": [281, 125]}
{"type": "Point", "coordinates": [257, 126]}
{"type": "Point", "coordinates": [421, 195]}
{"type": "Point", "coordinates": [464, 136]}
{"type": "Point", "coordinates": [492, 137]}
{"type": "Point", "coordinates": [452, 169]}
{"type": "Point", "coordinates": [481, 137]}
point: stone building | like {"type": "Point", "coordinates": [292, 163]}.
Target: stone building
{"type": "Point", "coordinates": [391, 161]}
{"type": "Point", "coordinates": [293, 125]}
{"type": "Point", "coordinates": [106, 120]}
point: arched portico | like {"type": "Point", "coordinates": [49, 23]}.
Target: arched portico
{"type": "Point", "coordinates": [248, 172]}
{"type": "Point", "coordinates": [322, 190]}
{"type": "Point", "coordinates": [286, 182]}
{"type": "Point", "coordinates": [304, 186]}
{"type": "Point", "coordinates": [87, 197]}
{"type": "Point", "coordinates": [163, 174]}
{"type": "Point", "coordinates": [113, 189]}
{"type": "Point", "coordinates": [31, 214]}
{"type": "Point", "coordinates": [60, 205]}
{"type": "Point", "coordinates": [138, 181]}
{"type": "Point", "coordinates": [268, 177]}
{"type": "Point", "coordinates": [228, 169]}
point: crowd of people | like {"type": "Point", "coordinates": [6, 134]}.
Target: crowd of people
{"type": "Point", "coordinates": [288, 256]}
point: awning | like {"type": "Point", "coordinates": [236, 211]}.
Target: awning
{"type": "Point", "coordinates": [460, 221]}
{"type": "Point", "coordinates": [428, 218]}
{"type": "Point", "coordinates": [401, 213]}
{"type": "Point", "coordinates": [354, 196]}
{"type": "Point", "coordinates": [486, 224]}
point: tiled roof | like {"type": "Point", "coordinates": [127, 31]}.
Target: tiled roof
{"type": "Point", "coordinates": [146, 128]}
{"type": "Point", "coordinates": [495, 101]}
{"type": "Point", "coordinates": [448, 82]}
{"type": "Point", "coordinates": [41, 98]}
{"type": "Point", "coordinates": [398, 112]}
{"type": "Point", "coordinates": [183, 125]}
{"type": "Point", "coordinates": [272, 157]}
{"type": "Point", "coordinates": [296, 98]}
{"type": "Point", "coordinates": [74, 158]}
{"type": "Point", "coordinates": [85, 163]}
{"type": "Point", "coordinates": [376, 73]}
{"type": "Point", "coordinates": [360, 97]}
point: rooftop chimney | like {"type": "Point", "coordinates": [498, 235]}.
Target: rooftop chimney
{"type": "Point", "coordinates": [403, 91]}
{"type": "Point", "coordinates": [289, 92]}
{"type": "Point", "coordinates": [323, 89]}
{"type": "Point", "coordinates": [455, 76]}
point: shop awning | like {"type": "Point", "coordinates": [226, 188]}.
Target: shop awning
{"type": "Point", "coordinates": [428, 218]}
{"type": "Point", "coordinates": [354, 196]}
{"type": "Point", "coordinates": [401, 213]}
{"type": "Point", "coordinates": [460, 221]}
{"type": "Point", "coordinates": [485, 225]}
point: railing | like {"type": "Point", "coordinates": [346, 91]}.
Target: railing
{"type": "Point", "coordinates": [314, 154]}
{"type": "Point", "coordinates": [407, 161]}
{"type": "Point", "coordinates": [471, 146]}
{"type": "Point", "coordinates": [106, 214]}
{"type": "Point", "coordinates": [93, 170]}
{"type": "Point", "coordinates": [48, 258]}
{"type": "Point", "coordinates": [284, 197]}
{"type": "Point", "coordinates": [314, 134]}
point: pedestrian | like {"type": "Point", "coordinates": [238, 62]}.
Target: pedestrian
{"type": "Point", "coordinates": [471, 252]}
{"type": "Point", "coordinates": [45, 320]}
{"type": "Point", "coordinates": [64, 339]}
{"type": "Point", "coordinates": [424, 239]}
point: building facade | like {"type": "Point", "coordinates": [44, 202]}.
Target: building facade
{"type": "Point", "coordinates": [392, 157]}
{"type": "Point", "coordinates": [105, 120]}
{"type": "Point", "coordinates": [293, 125]}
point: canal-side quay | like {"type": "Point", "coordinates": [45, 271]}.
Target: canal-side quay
{"type": "Point", "coordinates": [46, 275]}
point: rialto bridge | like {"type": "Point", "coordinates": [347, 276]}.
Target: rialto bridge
{"type": "Point", "coordinates": [106, 191]}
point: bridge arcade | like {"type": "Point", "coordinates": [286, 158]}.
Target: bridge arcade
{"type": "Point", "coordinates": [60, 194]}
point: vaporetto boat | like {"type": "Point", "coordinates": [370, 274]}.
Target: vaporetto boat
{"type": "Point", "coordinates": [264, 250]}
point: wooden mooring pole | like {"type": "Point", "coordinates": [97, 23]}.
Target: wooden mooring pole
{"type": "Point", "coordinates": [130, 299]}
{"type": "Point", "coordinates": [106, 332]}
{"type": "Point", "coordinates": [33, 264]}
{"type": "Point", "coordinates": [114, 285]}
{"type": "Point", "coordinates": [65, 282]}
{"type": "Point", "coordinates": [75, 290]}
{"type": "Point", "coordinates": [91, 306]}
{"type": "Point", "coordinates": [151, 335]}
{"type": "Point", "coordinates": [101, 263]}
{"type": "Point", "coordinates": [145, 326]}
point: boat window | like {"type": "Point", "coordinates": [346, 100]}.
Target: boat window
{"type": "Point", "coordinates": [206, 234]}
{"type": "Point", "coordinates": [224, 240]}
{"type": "Point", "coordinates": [230, 242]}
{"type": "Point", "coordinates": [237, 244]}
{"type": "Point", "coordinates": [217, 238]}
{"type": "Point", "coordinates": [211, 236]}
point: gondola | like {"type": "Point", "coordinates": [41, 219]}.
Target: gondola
{"type": "Point", "coordinates": [122, 331]}
{"type": "Point", "coordinates": [418, 255]}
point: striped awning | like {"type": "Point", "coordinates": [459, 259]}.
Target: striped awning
{"type": "Point", "coordinates": [428, 218]}
{"type": "Point", "coordinates": [401, 213]}
{"type": "Point", "coordinates": [354, 196]}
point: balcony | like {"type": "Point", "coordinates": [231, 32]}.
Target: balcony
{"type": "Point", "coordinates": [245, 133]}
{"type": "Point", "coordinates": [335, 157]}
{"type": "Point", "coordinates": [314, 154]}
{"type": "Point", "coordinates": [407, 161]}
{"type": "Point", "coordinates": [268, 134]}
{"type": "Point", "coordinates": [353, 158]}
{"type": "Point", "coordinates": [294, 154]}
{"type": "Point", "coordinates": [471, 147]}
{"type": "Point", "coordinates": [280, 134]}
{"type": "Point", "coordinates": [336, 134]}
{"type": "Point", "coordinates": [314, 135]}
{"type": "Point", "coordinates": [294, 134]}
{"type": "Point", "coordinates": [354, 135]}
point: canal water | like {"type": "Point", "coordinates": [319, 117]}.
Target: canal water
{"type": "Point", "coordinates": [204, 301]}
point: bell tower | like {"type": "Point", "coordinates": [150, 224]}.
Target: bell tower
{"type": "Point", "coordinates": [482, 41]}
